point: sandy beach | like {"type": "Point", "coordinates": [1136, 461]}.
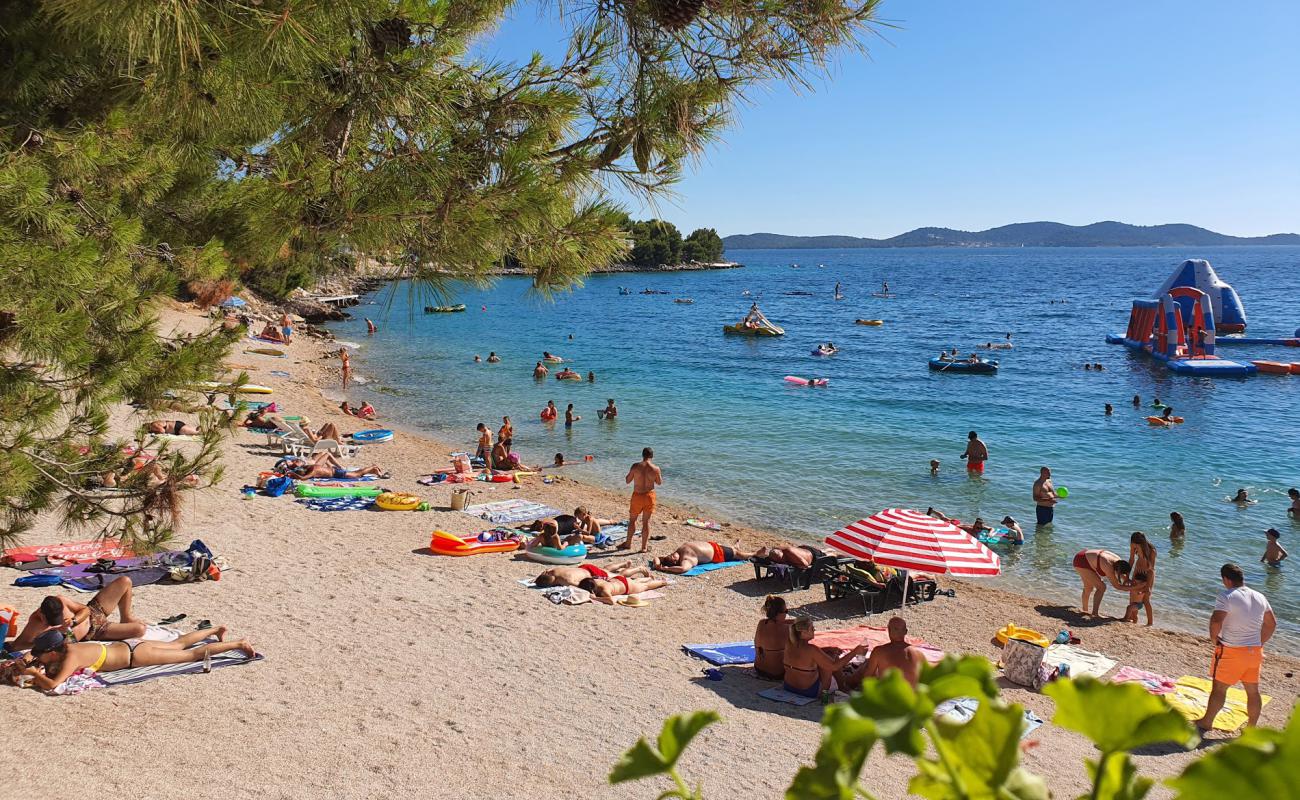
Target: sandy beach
{"type": "Point", "coordinates": [392, 671]}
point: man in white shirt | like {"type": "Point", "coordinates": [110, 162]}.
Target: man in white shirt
{"type": "Point", "coordinates": [1240, 625]}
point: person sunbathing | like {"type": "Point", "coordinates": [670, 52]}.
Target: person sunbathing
{"type": "Point", "coordinates": [692, 554]}
{"type": "Point", "coordinates": [171, 427]}
{"type": "Point", "coordinates": [770, 639]}
{"type": "Point", "coordinates": [800, 556]}
{"type": "Point", "coordinates": [144, 464]}
{"type": "Point", "coordinates": [272, 333]}
{"type": "Point", "coordinates": [574, 575]}
{"type": "Point", "coordinates": [325, 465]}
{"type": "Point", "coordinates": [328, 431]}
{"type": "Point", "coordinates": [897, 654]}
{"type": "Point", "coordinates": [89, 621]}
{"type": "Point", "coordinates": [616, 585]}
{"type": "Point", "coordinates": [809, 670]}
{"type": "Point", "coordinates": [53, 659]}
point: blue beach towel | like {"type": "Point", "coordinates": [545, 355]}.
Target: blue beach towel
{"type": "Point", "coordinates": [337, 503]}
{"type": "Point", "coordinates": [700, 569]}
{"type": "Point", "coordinates": [721, 654]}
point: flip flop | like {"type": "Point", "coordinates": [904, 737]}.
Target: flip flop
{"type": "Point", "coordinates": [172, 620]}
{"type": "Point", "coordinates": [203, 625]}
{"type": "Point", "coordinates": [658, 537]}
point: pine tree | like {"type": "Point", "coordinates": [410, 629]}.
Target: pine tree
{"type": "Point", "coordinates": [148, 146]}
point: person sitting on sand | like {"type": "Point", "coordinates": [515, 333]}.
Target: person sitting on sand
{"type": "Point", "coordinates": [799, 556]}
{"type": "Point", "coordinates": [897, 654]}
{"type": "Point", "coordinates": [366, 411]}
{"type": "Point", "coordinates": [1095, 568]}
{"type": "Point", "coordinates": [1242, 498]}
{"type": "Point", "coordinates": [325, 465]}
{"type": "Point", "coordinates": [53, 659]}
{"type": "Point", "coordinates": [505, 461]}
{"type": "Point", "coordinates": [574, 575]}
{"type": "Point", "coordinates": [692, 554]}
{"type": "Point", "coordinates": [83, 622]}
{"type": "Point", "coordinates": [770, 638]}
{"type": "Point", "coordinates": [172, 427]}
{"type": "Point", "coordinates": [610, 411]}
{"type": "Point", "coordinates": [809, 671]}
{"type": "Point", "coordinates": [272, 334]}
{"type": "Point", "coordinates": [588, 522]}
{"type": "Point", "coordinates": [1139, 595]}
{"type": "Point", "coordinates": [1274, 553]}
{"type": "Point", "coordinates": [550, 412]}
{"type": "Point", "coordinates": [557, 532]}
{"type": "Point", "coordinates": [616, 585]}
{"type": "Point", "coordinates": [493, 358]}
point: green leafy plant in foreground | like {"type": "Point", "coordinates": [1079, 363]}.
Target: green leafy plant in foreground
{"type": "Point", "coordinates": [979, 759]}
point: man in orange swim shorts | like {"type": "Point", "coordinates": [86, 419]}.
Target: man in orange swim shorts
{"type": "Point", "coordinates": [1240, 625]}
{"type": "Point", "coordinates": [644, 477]}
{"type": "Point", "coordinates": [976, 453]}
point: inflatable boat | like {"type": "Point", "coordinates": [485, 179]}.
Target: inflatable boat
{"type": "Point", "coordinates": [979, 367]}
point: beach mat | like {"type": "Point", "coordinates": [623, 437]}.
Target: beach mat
{"type": "Point", "coordinates": [961, 709]}
{"type": "Point", "coordinates": [337, 503]}
{"type": "Point", "coordinates": [126, 677]}
{"type": "Point", "coordinates": [84, 552]}
{"type": "Point", "coordinates": [1153, 682]}
{"type": "Point", "coordinates": [780, 695]}
{"type": "Point", "coordinates": [700, 569]}
{"type": "Point", "coordinates": [723, 654]}
{"type": "Point", "coordinates": [849, 638]}
{"type": "Point", "coordinates": [505, 511]}
{"type": "Point", "coordinates": [1081, 662]}
{"type": "Point", "coordinates": [1191, 694]}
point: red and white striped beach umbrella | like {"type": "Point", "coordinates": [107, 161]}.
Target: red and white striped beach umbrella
{"type": "Point", "coordinates": [900, 537]}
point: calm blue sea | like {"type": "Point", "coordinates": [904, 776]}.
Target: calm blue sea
{"type": "Point", "coordinates": [730, 434]}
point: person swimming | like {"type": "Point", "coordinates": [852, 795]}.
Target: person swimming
{"type": "Point", "coordinates": [934, 466]}
{"type": "Point", "coordinates": [1109, 410]}
{"type": "Point", "coordinates": [1242, 498]}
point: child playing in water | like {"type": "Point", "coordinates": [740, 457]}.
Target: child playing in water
{"type": "Point", "coordinates": [1139, 596]}
{"type": "Point", "coordinates": [1177, 528]}
{"type": "Point", "coordinates": [934, 466]}
{"type": "Point", "coordinates": [1274, 553]}
{"type": "Point", "coordinates": [1241, 498]}
{"type": "Point", "coordinates": [1294, 494]}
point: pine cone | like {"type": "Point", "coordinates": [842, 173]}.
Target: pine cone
{"type": "Point", "coordinates": [390, 36]}
{"type": "Point", "coordinates": [674, 15]}
{"type": "Point", "coordinates": [74, 194]}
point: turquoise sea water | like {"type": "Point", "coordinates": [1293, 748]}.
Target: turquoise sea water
{"type": "Point", "coordinates": [730, 434]}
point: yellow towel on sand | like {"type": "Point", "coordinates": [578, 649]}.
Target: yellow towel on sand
{"type": "Point", "coordinates": [1190, 696]}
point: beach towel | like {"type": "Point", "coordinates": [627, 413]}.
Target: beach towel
{"type": "Point", "coordinates": [618, 601]}
{"type": "Point", "coordinates": [175, 438]}
{"type": "Point", "coordinates": [505, 511]}
{"type": "Point", "coordinates": [567, 595]}
{"type": "Point", "coordinates": [337, 503]}
{"type": "Point", "coordinates": [125, 677]}
{"type": "Point", "coordinates": [1191, 695]}
{"type": "Point", "coordinates": [780, 695]}
{"type": "Point", "coordinates": [700, 569]}
{"type": "Point", "coordinates": [87, 551]}
{"type": "Point", "coordinates": [141, 571]}
{"type": "Point", "coordinates": [961, 709]}
{"type": "Point", "coordinates": [1151, 681]}
{"type": "Point", "coordinates": [1081, 662]}
{"type": "Point", "coordinates": [849, 638]}
{"type": "Point", "coordinates": [722, 654]}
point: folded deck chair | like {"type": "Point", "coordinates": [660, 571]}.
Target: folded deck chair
{"type": "Point", "coordinates": [327, 445]}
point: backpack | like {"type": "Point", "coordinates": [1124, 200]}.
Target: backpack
{"type": "Point", "coordinates": [275, 487]}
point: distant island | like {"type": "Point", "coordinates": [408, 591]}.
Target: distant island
{"type": "Point", "coordinates": [1022, 234]}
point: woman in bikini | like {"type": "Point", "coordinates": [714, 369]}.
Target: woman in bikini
{"type": "Point", "coordinates": [172, 427]}
{"type": "Point", "coordinates": [616, 585]}
{"type": "Point", "coordinates": [572, 576]}
{"type": "Point", "coordinates": [1095, 568]}
{"type": "Point", "coordinates": [770, 638]}
{"type": "Point", "coordinates": [54, 659]}
{"type": "Point", "coordinates": [1142, 557]}
{"type": "Point", "coordinates": [809, 671]}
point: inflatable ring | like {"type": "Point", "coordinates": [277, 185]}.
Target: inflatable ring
{"type": "Point", "coordinates": [377, 435]}
{"type": "Point", "coordinates": [400, 501]}
{"type": "Point", "coordinates": [1013, 631]}
{"type": "Point", "coordinates": [311, 490]}
{"type": "Point", "coordinates": [573, 554]}
{"type": "Point", "coordinates": [1164, 421]}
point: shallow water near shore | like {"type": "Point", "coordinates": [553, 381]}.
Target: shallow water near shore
{"type": "Point", "coordinates": [732, 435]}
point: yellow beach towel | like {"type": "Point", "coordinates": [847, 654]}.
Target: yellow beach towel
{"type": "Point", "coordinates": [1190, 696]}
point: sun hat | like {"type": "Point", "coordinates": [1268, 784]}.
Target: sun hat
{"type": "Point", "coordinates": [47, 642]}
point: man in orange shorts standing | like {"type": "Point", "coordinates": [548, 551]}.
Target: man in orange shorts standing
{"type": "Point", "coordinates": [1240, 625]}
{"type": "Point", "coordinates": [644, 477]}
{"type": "Point", "coordinates": [976, 453]}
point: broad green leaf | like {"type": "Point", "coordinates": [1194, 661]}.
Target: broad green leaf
{"type": "Point", "coordinates": [1118, 779]}
{"type": "Point", "coordinates": [968, 676]}
{"type": "Point", "coordinates": [975, 758]}
{"type": "Point", "coordinates": [1260, 763]}
{"type": "Point", "coordinates": [847, 741]}
{"type": "Point", "coordinates": [1117, 716]}
{"type": "Point", "coordinates": [897, 710]}
{"type": "Point", "coordinates": [679, 731]}
{"type": "Point", "coordinates": [644, 760]}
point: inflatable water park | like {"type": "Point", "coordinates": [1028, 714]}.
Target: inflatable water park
{"type": "Point", "coordinates": [1180, 325]}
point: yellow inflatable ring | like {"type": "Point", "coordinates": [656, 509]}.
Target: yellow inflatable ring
{"type": "Point", "coordinates": [399, 501]}
{"type": "Point", "coordinates": [1013, 631]}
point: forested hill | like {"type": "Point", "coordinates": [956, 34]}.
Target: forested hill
{"type": "Point", "coordinates": [1023, 234]}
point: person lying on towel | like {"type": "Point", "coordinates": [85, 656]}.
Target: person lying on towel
{"type": "Point", "coordinates": [572, 576]}
{"type": "Point", "coordinates": [616, 585]}
{"type": "Point", "coordinates": [53, 659]}
{"type": "Point", "coordinates": [692, 554]}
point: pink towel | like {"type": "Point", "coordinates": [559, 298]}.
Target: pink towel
{"type": "Point", "coordinates": [849, 638]}
{"type": "Point", "coordinates": [1155, 684]}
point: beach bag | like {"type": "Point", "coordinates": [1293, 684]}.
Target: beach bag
{"type": "Point", "coordinates": [461, 463]}
{"type": "Point", "coordinates": [460, 499]}
{"type": "Point", "coordinates": [1022, 663]}
{"type": "Point", "coordinates": [276, 487]}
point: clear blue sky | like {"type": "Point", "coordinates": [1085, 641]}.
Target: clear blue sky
{"type": "Point", "coordinates": [972, 115]}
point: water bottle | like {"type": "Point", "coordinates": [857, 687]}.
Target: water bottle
{"type": "Point", "coordinates": [1063, 637]}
